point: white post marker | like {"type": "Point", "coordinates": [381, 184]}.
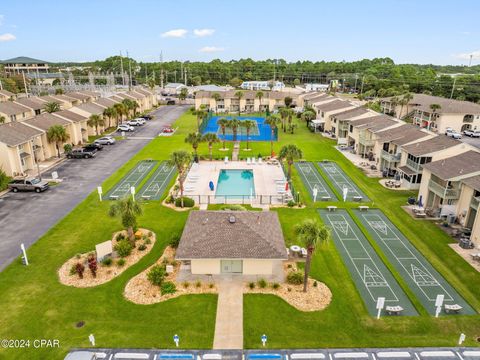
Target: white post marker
{"type": "Point", "coordinates": [315, 193]}
{"type": "Point", "coordinates": [176, 339]}
{"type": "Point", "coordinates": [438, 304]}
{"type": "Point", "coordinates": [91, 338]}
{"type": "Point", "coordinates": [264, 339]}
{"type": "Point", "coordinates": [54, 175]}
{"type": "Point", "coordinates": [345, 193]}
{"type": "Point", "coordinates": [461, 339]}
{"type": "Point", "coordinates": [25, 259]}
{"type": "Point", "coordinates": [100, 192]}
{"type": "Point", "coordinates": [132, 191]}
{"type": "Point", "coordinates": [380, 305]}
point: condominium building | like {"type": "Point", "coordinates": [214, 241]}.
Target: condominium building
{"type": "Point", "coordinates": [263, 85]}
{"type": "Point", "coordinates": [24, 64]}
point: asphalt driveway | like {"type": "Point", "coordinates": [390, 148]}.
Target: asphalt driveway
{"type": "Point", "coordinates": [25, 217]}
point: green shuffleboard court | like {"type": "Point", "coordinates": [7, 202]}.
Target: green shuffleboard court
{"type": "Point", "coordinates": [312, 179]}
{"type": "Point", "coordinates": [370, 275]}
{"type": "Point", "coordinates": [133, 178]}
{"type": "Point", "coordinates": [425, 282]}
{"type": "Point", "coordinates": [341, 180]}
{"type": "Point", "coordinates": [157, 183]}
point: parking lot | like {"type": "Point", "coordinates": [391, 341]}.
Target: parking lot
{"type": "Point", "coordinates": [472, 141]}
{"type": "Point", "coordinates": [27, 216]}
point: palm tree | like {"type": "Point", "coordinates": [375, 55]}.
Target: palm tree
{"type": "Point", "coordinates": [394, 102]}
{"type": "Point", "coordinates": [216, 97]}
{"type": "Point", "coordinates": [234, 124]}
{"type": "Point", "coordinates": [308, 116]}
{"type": "Point", "coordinates": [2, 120]}
{"type": "Point", "coordinates": [290, 153]}
{"type": "Point", "coordinates": [239, 96]}
{"type": "Point", "coordinates": [120, 110]}
{"type": "Point", "coordinates": [283, 111]}
{"type": "Point", "coordinates": [95, 121]}
{"type": "Point", "coordinates": [128, 210]}
{"type": "Point", "coordinates": [194, 139]}
{"type": "Point", "coordinates": [311, 233]}
{"type": "Point", "coordinates": [58, 135]}
{"type": "Point", "coordinates": [109, 113]}
{"type": "Point", "coordinates": [151, 84]}
{"type": "Point", "coordinates": [223, 122]}
{"type": "Point", "coordinates": [248, 125]}
{"type": "Point", "coordinates": [135, 107]}
{"type": "Point", "coordinates": [59, 91]}
{"type": "Point", "coordinates": [259, 95]}
{"type": "Point", "coordinates": [288, 101]}
{"type": "Point", "coordinates": [201, 114]}
{"type": "Point", "coordinates": [183, 94]}
{"type": "Point", "coordinates": [273, 122]}
{"type": "Point", "coordinates": [407, 97]}
{"type": "Point", "coordinates": [128, 106]}
{"type": "Point", "coordinates": [290, 114]}
{"type": "Point", "coordinates": [434, 108]}
{"type": "Point", "coordinates": [210, 138]}
{"type": "Point", "coordinates": [52, 107]}
{"type": "Point", "coordinates": [180, 159]}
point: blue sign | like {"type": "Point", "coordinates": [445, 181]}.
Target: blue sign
{"type": "Point", "coordinates": [175, 338]}
{"type": "Point", "coordinates": [264, 338]}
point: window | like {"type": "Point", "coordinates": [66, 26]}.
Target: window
{"type": "Point", "coordinates": [351, 128]}
{"type": "Point", "coordinates": [13, 117]}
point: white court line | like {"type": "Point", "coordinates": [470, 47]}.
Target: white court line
{"type": "Point", "coordinates": [423, 268]}
{"type": "Point", "coordinates": [127, 180]}
{"type": "Point", "coordinates": [394, 354]}
{"type": "Point", "coordinates": [374, 264]}
{"type": "Point", "coordinates": [351, 187]}
{"type": "Point", "coordinates": [323, 190]}
{"type": "Point", "coordinates": [155, 182]}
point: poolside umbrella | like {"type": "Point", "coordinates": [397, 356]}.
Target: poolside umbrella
{"type": "Point", "coordinates": [420, 204]}
{"type": "Point", "coordinates": [345, 193]}
{"type": "Point", "coordinates": [286, 186]}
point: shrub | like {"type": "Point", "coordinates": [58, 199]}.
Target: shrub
{"type": "Point", "coordinates": [79, 269]}
{"type": "Point", "coordinates": [150, 234]}
{"type": "Point", "coordinates": [289, 289]}
{"type": "Point", "coordinates": [73, 270]}
{"type": "Point", "coordinates": [186, 284]}
{"type": "Point", "coordinates": [275, 286]}
{"type": "Point", "coordinates": [295, 277]}
{"type": "Point", "coordinates": [92, 265]}
{"type": "Point", "coordinates": [156, 275]}
{"type": "Point", "coordinates": [251, 285]}
{"type": "Point", "coordinates": [107, 261]}
{"type": "Point", "coordinates": [142, 247]}
{"type": "Point", "coordinates": [148, 241]}
{"type": "Point", "coordinates": [233, 207]}
{"type": "Point", "coordinates": [211, 285]}
{"type": "Point", "coordinates": [4, 180]}
{"type": "Point", "coordinates": [120, 236]}
{"type": "Point", "coordinates": [123, 248]}
{"type": "Point", "coordinates": [291, 203]}
{"type": "Point", "coordinates": [67, 148]}
{"type": "Point", "coordinates": [168, 287]}
{"type": "Point", "coordinates": [198, 283]}
{"type": "Point", "coordinates": [175, 240]}
{"type": "Point", "coordinates": [121, 262]}
{"type": "Point", "coordinates": [262, 283]}
{"type": "Point", "coordinates": [289, 266]}
{"type": "Point", "coordinates": [315, 284]}
{"type": "Point", "coordinates": [187, 202]}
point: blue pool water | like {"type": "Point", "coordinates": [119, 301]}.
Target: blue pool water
{"type": "Point", "coordinates": [261, 132]}
{"type": "Point", "coordinates": [235, 184]}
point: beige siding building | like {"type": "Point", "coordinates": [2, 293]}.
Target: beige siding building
{"type": "Point", "coordinates": [12, 111]}
{"type": "Point", "coordinates": [6, 95]}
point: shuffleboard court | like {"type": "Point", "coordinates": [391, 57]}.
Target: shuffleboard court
{"type": "Point", "coordinates": [418, 273]}
{"type": "Point", "coordinates": [341, 180]}
{"type": "Point", "coordinates": [312, 179]}
{"type": "Point", "coordinates": [369, 273]}
{"type": "Point", "coordinates": [133, 178]}
{"type": "Point", "coordinates": [157, 183]}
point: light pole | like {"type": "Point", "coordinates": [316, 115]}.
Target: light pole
{"type": "Point", "coordinates": [36, 161]}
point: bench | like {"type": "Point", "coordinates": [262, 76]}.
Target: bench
{"type": "Point", "coordinates": [394, 310]}
{"type": "Point", "coordinates": [326, 198]}
{"type": "Point", "coordinates": [114, 197]}
{"type": "Point", "coordinates": [146, 197]}
{"type": "Point", "coordinates": [357, 198]}
{"type": "Point", "coordinates": [331, 208]}
{"type": "Point", "coordinates": [455, 308]}
{"type": "Point", "coordinates": [363, 208]}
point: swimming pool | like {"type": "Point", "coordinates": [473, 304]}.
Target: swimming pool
{"type": "Point", "coordinates": [260, 132]}
{"type": "Point", "coordinates": [235, 184]}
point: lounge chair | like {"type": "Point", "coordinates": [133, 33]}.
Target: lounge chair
{"type": "Point", "coordinates": [226, 160]}
{"type": "Point", "coordinates": [259, 161]}
{"type": "Point", "coordinates": [303, 252]}
{"type": "Point", "coordinates": [394, 310]}
{"type": "Point", "coordinates": [248, 161]}
{"type": "Point", "coordinates": [288, 251]}
{"type": "Point", "coordinates": [253, 161]}
{"type": "Point", "coordinates": [455, 308]}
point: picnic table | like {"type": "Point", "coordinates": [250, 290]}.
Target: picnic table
{"type": "Point", "coordinates": [394, 310]}
{"type": "Point", "coordinates": [453, 308]}
{"type": "Point", "coordinates": [363, 207]}
{"type": "Point", "coordinates": [331, 208]}
{"type": "Point", "coordinates": [295, 249]}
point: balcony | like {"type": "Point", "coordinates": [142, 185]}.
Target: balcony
{"type": "Point", "coordinates": [418, 168]}
{"type": "Point", "coordinates": [343, 126]}
{"type": "Point", "coordinates": [444, 192]}
{"type": "Point", "coordinates": [475, 202]}
{"type": "Point", "coordinates": [366, 141]}
{"type": "Point", "coordinates": [390, 157]}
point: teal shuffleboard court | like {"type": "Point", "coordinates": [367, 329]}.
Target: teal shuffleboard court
{"type": "Point", "coordinates": [312, 179]}
{"type": "Point", "coordinates": [157, 183]}
{"type": "Point", "coordinates": [133, 178]}
{"type": "Point", "coordinates": [369, 273]}
{"type": "Point", "coordinates": [341, 180]}
{"type": "Point", "coordinates": [425, 282]}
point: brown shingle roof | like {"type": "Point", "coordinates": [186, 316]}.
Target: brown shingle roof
{"type": "Point", "coordinates": [31, 102]}
{"type": "Point", "coordinates": [105, 102]}
{"type": "Point", "coordinates": [78, 96]}
{"type": "Point", "coordinates": [91, 108]}
{"type": "Point", "coordinates": [70, 115]}
{"type": "Point", "coordinates": [313, 95]}
{"type": "Point", "coordinates": [45, 121]}
{"type": "Point", "coordinates": [253, 235]}
{"type": "Point", "coordinates": [456, 166]}
{"type": "Point", "coordinates": [432, 145]}
{"type": "Point", "coordinates": [6, 93]}
{"type": "Point", "coordinates": [473, 182]}
{"type": "Point", "coordinates": [351, 113]}
{"type": "Point", "coordinates": [402, 135]}
{"type": "Point", "coordinates": [11, 108]}
{"type": "Point", "coordinates": [448, 106]}
{"type": "Point", "coordinates": [143, 91]}
{"type": "Point", "coordinates": [16, 133]}
{"type": "Point", "coordinates": [334, 105]}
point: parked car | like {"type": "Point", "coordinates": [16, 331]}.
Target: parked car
{"type": "Point", "coordinates": [106, 140]}
{"type": "Point", "coordinates": [147, 117]}
{"type": "Point", "coordinates": [81, 153]}
{"type": "Point", "coordinates": [448, 131]}
{"type": "Point", "coordinates": [472, 133]}
{"type": "Point", "coordinates": [167, 130]}
{"type": "Point", "coordinates": [28, 184]}
{"type": "Point", "coordinates": [135, 122]}
{"type": "Point", "coordinates": [93, 146]}
{"type": "Point", "coordinates": [141, 120]}
{"type": "Point", "coordinates": [455, 135]}
{"type": "Point", "coordinates": [125, 127]}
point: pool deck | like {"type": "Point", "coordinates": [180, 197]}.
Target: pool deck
{"type": "Point", "coordinates": [264, 178]}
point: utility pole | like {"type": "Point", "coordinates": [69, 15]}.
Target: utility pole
{"type": "Point", "coordinates": [25, 84]}
{"type": "Point", "coordinates": [175, 74]}
{"type": "Point", "coordinates": [363, 80]}
{"type": "Point", "coordinates": [1, 85]}
{"type": "Point", "coordinates": [356, 78]}
{"type": "Point", "coordinates": [470, 62]}
{"type": "Point", "coordinates": [453, 87]}
{"type": "Point", "coordinates": [161, 69]}
{"type": "Point", "coordinates": [121, 68]}
{"type": "Point", "coordinates": [130, 72]}
{"type": "Point", "coordinates": [185, 75]}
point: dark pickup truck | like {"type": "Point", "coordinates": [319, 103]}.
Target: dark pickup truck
{"type": "Point", "coordinates": [81, 153]}
{"type": "Point", "coordinates": [31, 184]}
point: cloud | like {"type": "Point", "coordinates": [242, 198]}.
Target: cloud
{"type": "Point", "coordinates": [175, 33]}
{"type": "Point", "coordinates": [211, 49]}
{"type": "Point", "coordinates": [203, 32]}
{"type": "Point", "coordinates": [466, 56]}
{"type": "Point", "coordinates": [7, 37]}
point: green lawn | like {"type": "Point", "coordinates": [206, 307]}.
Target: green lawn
{"type": "Point", "coordinates": [34, 305]}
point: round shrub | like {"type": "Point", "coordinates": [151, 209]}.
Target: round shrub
{"type": "Point", "coordinates": [291, 203]}
{"type": "Point", "coordinates": [262, 283]}
{"type": "Point", "coordinates": [198, 283]}
{"type": "Point", "coordinates": [295, 277]}
{"type": "Point", "coordinates": [123, 248]}
{"type": "Point", "coordinates": [168, 287]}
{"type": "Point", "coordinates": [186, 284]}
{"type": "Point", "coordinates": [156, 275]}
{"type": "Point", "coordinates": [121, 262]}
{"type": "Point", "coordinates": [275, 286]}
{"type": "Point", "coordinates": [142, 247]}
{"type": "Point", "coordinates": [187, 202]}
{"type": "Point", "coordinates": [175, 240]}
{"type": "Point", "coordinates": [251, 285]}
{"type": "Point", "coordinates": [107, 261]}
{"type": "Point", "coordinates": [233, 207]}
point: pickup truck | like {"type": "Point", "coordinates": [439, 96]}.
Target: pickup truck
{"type": "Point", "coordinates": [29, 184]}
{"type": "Point", "coordinates": [472, 133]}
{"type": "Point", "coordinates": [81, 153]}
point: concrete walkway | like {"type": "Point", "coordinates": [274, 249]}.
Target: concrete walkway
{"type": "Point", "coordinates": [229, 322]}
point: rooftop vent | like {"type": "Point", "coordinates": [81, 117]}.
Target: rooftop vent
{"type": "Point", "coordinates": [231, 219]}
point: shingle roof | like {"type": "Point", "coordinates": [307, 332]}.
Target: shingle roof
{"type": "Point", "coordinates": [16, 133]}
{"type": "Point", "coordinates": [473, 182]}
{"type": "Point", "coordinates": [91, 108]}
{"type": "Point", "coordinates": [125, 96]}
{"type": "Point", "coordinates": [31, 102]}
{"type": "Point", "coordinates": [78, 96]}
{"type": "Point", "coordinates": [24, 60]}
{"type": "Point", "coordinates": [253, 235]}
{"type": "Point", "coordinates": [402, 135]}
{"type": "Point", "coordinates": [11, 108]}
{"type": "Point", "coordinates": [70, 115]}
{"type": "Point", "coordinates": [107, 102]}
{"type": "Point", "coordinates": [334, 105]}
{"type": "Point", "coordinates": [448, 106]}
{"type": "Point", "coordinates": [45, 121]}
{"type": "Point", "coordinates": [65, 98]}
{"type": "Point", "coordinates": [432, 145]}
{"type": "Point", "coordinates": [136, 95]}
{"type": "Point", "coordinates": [314, 94]}
{"type": "Point", "coordinates": [377, 123]}
{"type": "Point", "coordinates": [456, 166]}
{"type": "Point", "coordinates": [351, 113]}
{"type": "Point", "coordinates": [143, 91]}
{"type": "Point", "coordinates": [6, 93]}
{"type": "Point", "coordinates": [49, 98]}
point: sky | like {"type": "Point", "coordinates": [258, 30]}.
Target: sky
{"type": "Point", "coordinates": [408, 31]}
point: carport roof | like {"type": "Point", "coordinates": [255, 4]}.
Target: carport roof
{"type": "Point", "coordinates": [212, 235]}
